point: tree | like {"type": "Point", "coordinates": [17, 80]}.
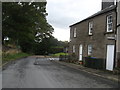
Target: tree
{"type": "Point", "coordinates": [25, 23]}
{"type": "Point", "coordinates": [50, 46]}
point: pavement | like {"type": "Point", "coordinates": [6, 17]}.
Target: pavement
{"type": "Point", "coordinates": [101, 73]}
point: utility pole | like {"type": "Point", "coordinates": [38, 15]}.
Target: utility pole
{"type": "Point", "coordinates": [118, 35]}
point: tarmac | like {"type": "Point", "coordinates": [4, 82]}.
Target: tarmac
{"type": "Point", "coordinates": [101, 73]}
{"type": "Point", "coordinates": [33, 72]}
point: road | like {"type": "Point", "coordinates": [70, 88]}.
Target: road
{"type": "Point", "coordinates": [32, 72]}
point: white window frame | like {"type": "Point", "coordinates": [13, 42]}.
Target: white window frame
{"type": "Point", "coordinates": [109, 23]}
{"type": "Point", "coordinates": [73, 48]}
{"type": "Point", "coordinates": [75, 32]}
{"type": "Point", "coordinates": [89, 50]}
{"type": "Point", "coordinates": [91, 28]}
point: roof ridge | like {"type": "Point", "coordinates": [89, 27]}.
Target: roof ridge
{"type": "Point", "coordinates": [112, 7]}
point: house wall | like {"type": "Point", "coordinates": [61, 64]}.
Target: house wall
{"type": "Point", "coordinates": [98, 40]}
{"type": "Point", "coordinates": [118, 36]}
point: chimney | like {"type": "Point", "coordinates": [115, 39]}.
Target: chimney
{"type": "Point", "coordinates": [107, 3]}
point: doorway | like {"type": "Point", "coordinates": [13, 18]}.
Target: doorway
{"type": "Point", "coordinates": [110, 57]}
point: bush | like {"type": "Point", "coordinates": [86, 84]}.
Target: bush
{"type": "Point", "coordinates": [63, 57]}
{"type": "Point", "coordinates": [68, 58]}
{"type": "Point", "coordinates": [73, 58]}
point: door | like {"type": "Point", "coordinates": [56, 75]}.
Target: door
{"type": "Point", "coordinates": [80, 53]}
{"type": "Point", "coordinates": [110, 57]}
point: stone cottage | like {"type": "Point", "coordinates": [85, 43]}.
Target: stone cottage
{"type": "Point", "coordinates": [118, 36]}
{"type": "Point", "coordinates": [95, 36]}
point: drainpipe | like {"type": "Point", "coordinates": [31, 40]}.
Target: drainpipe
{"type": "Point", "coordinates": [118, 35]}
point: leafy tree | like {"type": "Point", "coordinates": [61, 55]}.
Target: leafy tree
{"type": "Point", "coordinates": [25, 23]}
{"type": "Point", "coordinates": [50, 46]}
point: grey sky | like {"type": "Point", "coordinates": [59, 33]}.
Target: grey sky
{"type": "Point", "coordinates": [63, 13]}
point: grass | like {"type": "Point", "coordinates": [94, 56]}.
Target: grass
{"type": "Point", "coordinates": [58, 54]}
{"type": "Point", "coordinates": [11, 57]}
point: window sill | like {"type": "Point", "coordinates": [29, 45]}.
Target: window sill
{"type": "Point", "coordinates": [118, 25]}
{"type": "Point", "coordinates": [90, 34]}
{"type": "Point", "coordinates": [109, 32]}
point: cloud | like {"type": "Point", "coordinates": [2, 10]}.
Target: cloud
{"type": "Point", "coordinates": [63, 13]}
{"type": "Point", "coordinates": [62, 34]}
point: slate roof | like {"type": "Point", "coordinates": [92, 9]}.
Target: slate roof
{"type": "Point", "coordinates": [113, 7]}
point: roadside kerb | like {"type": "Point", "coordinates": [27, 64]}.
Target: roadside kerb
{"type": "Point", "coordinates": [93, 73]}
{"type": "Point", "coordinates": [3, 64]}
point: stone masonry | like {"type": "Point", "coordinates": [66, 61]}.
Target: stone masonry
{"type": "Point", "coordinates": [98, 40]}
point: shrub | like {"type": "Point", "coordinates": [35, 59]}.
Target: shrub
{"type": "Point", "coordinates": [72, 58]}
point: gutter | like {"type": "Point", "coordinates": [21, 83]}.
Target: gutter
{"type": "Point", "coordinates": [87, 70]}
{"type": "Point", "coordinates": [115, 55]}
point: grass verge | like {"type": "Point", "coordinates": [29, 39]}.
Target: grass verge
{"type": "Point", "coordinates": [11, 57]}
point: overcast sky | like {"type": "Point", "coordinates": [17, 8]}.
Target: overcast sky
{"type": "Point", "coordinates": [63, 13]}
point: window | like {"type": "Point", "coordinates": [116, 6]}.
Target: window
{"type": "Point", "coordinates": [90, 28]}
{"type": "Point", "coordinates": [109, 23]}
{"type": "Point", "coordinates": [89, 50]}
{"type": "Point", "coordinates": [74, 32]}
{"type": "Point", "coordinates": [73, 48]}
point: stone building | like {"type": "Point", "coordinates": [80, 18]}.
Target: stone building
{"type": "Point", "coordinates": [118, 36]}
{"type": "Point", "coordinates": [95, 36]}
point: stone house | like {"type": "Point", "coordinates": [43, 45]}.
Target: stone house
{"type": "Point", "coordinates": [118, 36]}
{"type": "Point", "coordinates": [95, 36]}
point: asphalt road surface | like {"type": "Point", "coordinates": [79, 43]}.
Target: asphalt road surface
{"type": "Point", "coordinates": [35, 72]}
